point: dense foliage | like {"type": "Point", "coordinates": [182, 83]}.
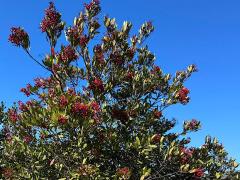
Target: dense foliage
{"type": "Point", "coordinates": [100, 113]}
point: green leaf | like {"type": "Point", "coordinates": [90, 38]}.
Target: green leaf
{"type": "Point", "coordinates": [218, 175]}
{"type": "Point", "coordinates": [146, 173]}
{"type": "Point", "coordinates": [138, 143]}
{"type": "Point", "coordinates": [84, 160]}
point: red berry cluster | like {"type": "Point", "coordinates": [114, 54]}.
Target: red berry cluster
{"type": "Point", "coordinates": [62, 119]}
{"type": "Point", "coordinates": [51, 20]}
{"type": "Point", "coordinates": [41, 82]}
{"type": "Point", "coordinates": [7, 173]}
{"type": "Point", "coordinates": [27, 139]}
{"type": "Point", "coordinates": [123, 171]}
{"type": "Point", "coordinates": [83, 40]}
{"type": "Point", "coordinates": [22, 106]}
{"type": "Point", "coordinates": [91, 4]}
{"type": "Point", "coordinates": [73, 35]}
{"type": "Point", "coordinates": [27, 90]}
{"type": "Point", "coordinates": [99, 54]}
{"type": "Point", "coordinates": [155, 70]}
{"type": "Point", "coordinates": [199, 172]}
{"type": "Point", "coordinates": [149, 25]}
{"type": "Point", "coordinates": [96, 109]}
{"type": "Point", "coordinates": [131, 53]}
{"type": "Point", "coordinates": [68, 54]}
{"type": "Point", "coordinates": [156, 138]}
{"type": "Point", "coordinates": [95, 106]}
{"type": "Point", "coordinates": [8, 136]}
{"type": "Point", "coordinates": [117, 59]}
{"type": "Point", "coordinates": [157, 114]}
{"type": "Point", "coordinates": [192, 125]}
{"type": "Point", "coordinates": [80, 108]}
{"type": "Point", "coordinates": [19, 37]}
{"type": "Point", "coordinates": [63, 102]}
{"type": "Point", "coordinates": [51, 92]}
{"type": "Point", "coordinates": [25, 107]}
{"type": "Point", "coordinates": [13, 115]}
{"type": "Point", "coordinates": [187, 154]}
{"type": "Point", "coordinates": [183, 95]}
{"type": "Point", "coordinates": [147, 28]}
{"type": "Point", "coordinates": [97, 85]}
{"type": "Point", "coordinates": [129, 75]}
{"type": "Point", "coordinates": [71, 91]}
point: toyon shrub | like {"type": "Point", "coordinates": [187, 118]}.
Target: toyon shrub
{"type": "Point", "coordinates": [100, 112]}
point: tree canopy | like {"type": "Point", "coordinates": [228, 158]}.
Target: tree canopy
{"type": "Point", "coordinates": [100, 112]}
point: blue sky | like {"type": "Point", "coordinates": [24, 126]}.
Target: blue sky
{"type": "Point", "coordinates": [203, 32]}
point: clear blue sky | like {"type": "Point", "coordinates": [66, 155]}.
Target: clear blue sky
{"type": "Point", "coordinates": [203, 32]}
